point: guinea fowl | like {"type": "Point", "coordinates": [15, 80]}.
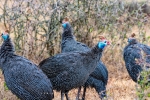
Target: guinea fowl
{"type": "Point", "coordinates": [133, 55]}
{"type": "Point", "coordinates": [22, 77]}
{"type": "Point", "coordinates": [97, 79]}
{"type": "Point", "coordinates": [71, 70]}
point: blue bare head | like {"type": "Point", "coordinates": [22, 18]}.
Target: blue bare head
{"type": "Point", "coordinates": [66, 25]}
{"type": "Point", "coordinates": [5, 36]}
{"type": "Point", "coordinates": [102, 44]}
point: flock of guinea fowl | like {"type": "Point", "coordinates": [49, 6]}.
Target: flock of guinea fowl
{"type": "Point", "coordinates": [76, 66]}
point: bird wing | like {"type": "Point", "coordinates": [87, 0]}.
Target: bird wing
{"type": "Point", "coordinates": [82, 45]}
{"type": "Point", "coordinates": [27, 77]}
{"type": "Point", "coordinates": [132, 56]}
{"type": "Point", "coordinates": [99, 85]}
{"type": "Point", "coordinates": [100, 72]}
{"type": "Point", "coordinates": [71, 45]}
{"type": "Point", "coordinates": [59, 63]}
{"type": "Point", "coordinates": [146, 50]}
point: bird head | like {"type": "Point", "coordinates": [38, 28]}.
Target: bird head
{"type": "Point", "coordinates": [103, 44]}
{"type": "Point", "coordinates": [65, 23]}
{"type": "Point", "coordinates": [5, 35]}
{"type": "Point", "coordinates": [132, 39]}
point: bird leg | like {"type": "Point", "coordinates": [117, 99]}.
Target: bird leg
{"type": "Point", "coordinates": [66, 94]}
{"type": "Point", "coordinates": [62, 95]}
{"type": "Point", "coordinates": [84, 91]}
{"type": "Point", "coordinates": [78, 94]}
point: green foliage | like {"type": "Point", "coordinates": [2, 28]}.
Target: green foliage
{"type": "Point", "coordinates": [143, 88]}
{"type": "Point", "coordinates": [5, 86]}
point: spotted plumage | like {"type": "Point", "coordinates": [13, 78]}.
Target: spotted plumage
{"type": "Point", "coordinates": [97, 79]}
{"type": "Point", "coordinates": [133, 54]}
{"type": "Point", "coordinates": [22, 76]}
{"type": "Point", "coordinates": [71, 70]}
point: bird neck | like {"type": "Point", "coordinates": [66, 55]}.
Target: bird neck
{"type": "Point", "coordinates": [93, 57]}
{"type": "Point", "coordinates": [97, 51]}
{"type": "Point", "coordinates": [133, 41]}
{"type": "Point", "coordinates": [7, 48]}
{"type": "Point", "coordinates": [130, 44]}
{"type": "Point", "coordinates": [67, 33]}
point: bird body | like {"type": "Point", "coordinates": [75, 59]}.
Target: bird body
{"type": "Point", "coordinates": [100, 74]}
{"type": "Point", "coordinates": [23, 77]}
{"type": "Point", "coordinates": [133, 55]}
{"type": "Point", "coordinates": [70, 70]}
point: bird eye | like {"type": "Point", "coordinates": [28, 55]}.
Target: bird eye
{"type": "Point", "coordinates": [105, 41]}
